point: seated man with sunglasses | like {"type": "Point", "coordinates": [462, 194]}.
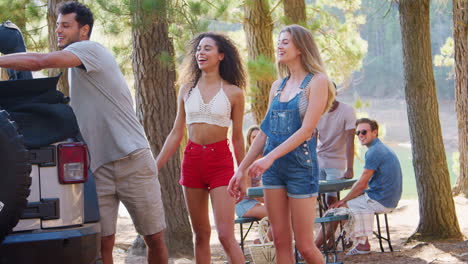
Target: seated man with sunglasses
{"type": "Point", "coordinates": [379, 188]}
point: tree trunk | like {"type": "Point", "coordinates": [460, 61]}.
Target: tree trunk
{"type": "Point", "coordinates": [295, 11]}
{"type": "Point", "coordinates": [154, 73]}
{"type": "Point", "coordinates": [51, 24]}
{"type": "Point", "coordinates": [436, 207]}
{"type": "Point", "coordinates": [460, 35]}
{"type": "Point", "coordinates": [258, 27]}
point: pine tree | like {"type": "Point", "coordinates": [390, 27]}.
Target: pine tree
{"type": "Point", "coordinates": [154, 74]}
{"type": "Point", "coordinates": [460, 27]}
{"type": "Point", "coordinates": [51, 24]}
{"type": "Point", "coordinates": [437, 212]}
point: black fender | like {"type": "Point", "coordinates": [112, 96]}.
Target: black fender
{"type": "Point", "coordinates": [15, 178]}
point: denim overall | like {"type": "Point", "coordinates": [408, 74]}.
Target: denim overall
{"type": "Point", "coordinates": [296, 171]}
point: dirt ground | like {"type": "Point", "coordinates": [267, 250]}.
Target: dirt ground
{"type": "Point", "coordinates": [403, 221]}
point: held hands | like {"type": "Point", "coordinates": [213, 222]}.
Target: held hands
{"type": "Point", "coordinates": [237, 185]}
{"type": "Point", "coordinates": [260, 166]}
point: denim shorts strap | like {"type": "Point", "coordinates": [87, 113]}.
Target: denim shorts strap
{"type": "Point", "coordinates": [306, 81]}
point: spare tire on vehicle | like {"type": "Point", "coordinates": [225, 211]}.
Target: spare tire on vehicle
{"type": "Point", "coordinates": [15, 177]}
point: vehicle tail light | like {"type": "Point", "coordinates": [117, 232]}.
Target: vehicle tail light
{"type": "Point", "coordinates": [72, 163]}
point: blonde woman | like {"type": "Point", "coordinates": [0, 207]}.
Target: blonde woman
{"type": "Point", "coordinates": [289, 162]}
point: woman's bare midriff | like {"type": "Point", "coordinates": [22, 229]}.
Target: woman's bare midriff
{"type": "Point", "coordinates": [203, 134]}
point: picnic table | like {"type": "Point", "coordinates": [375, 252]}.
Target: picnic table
{"type": "Point", "coordinates": [324, 187]}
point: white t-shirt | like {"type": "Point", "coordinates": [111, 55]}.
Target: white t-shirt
{"type": "Point", "coordinates": [331, 148]}
{"type": "Point", "coordinates": [103, 105]}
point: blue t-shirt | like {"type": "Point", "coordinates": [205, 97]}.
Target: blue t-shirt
{"type": "Point", "coordinates": [385, 186]}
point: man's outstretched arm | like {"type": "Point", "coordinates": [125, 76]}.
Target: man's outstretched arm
{"type": "Point", "coordinates": [39, 61]}
{"type": "Point", "coordinates": [357, 189]}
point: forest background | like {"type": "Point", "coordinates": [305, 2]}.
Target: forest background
{"type": "Point", "coordinates": [360, 41]}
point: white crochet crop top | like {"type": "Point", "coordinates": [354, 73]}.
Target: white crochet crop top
{"type": "Point", "coordinates": [216, 112]}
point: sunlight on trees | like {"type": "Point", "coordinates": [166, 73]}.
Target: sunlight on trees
{"type": "Point", "coordinates": [30, 17]}
{"type": "Point", "coordinates": [336, 26]}
{"type": "Point", "coordinates": [445, 58]}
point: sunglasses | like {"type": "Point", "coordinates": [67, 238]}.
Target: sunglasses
{"type": "Point", "coordinates": [363, 132]}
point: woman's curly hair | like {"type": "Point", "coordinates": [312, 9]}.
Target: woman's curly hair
{"type": "Point", "coordinates": [231, 67]}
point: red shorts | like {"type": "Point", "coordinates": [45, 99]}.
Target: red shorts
{"type": "Point", "coordinates": [207, 166]}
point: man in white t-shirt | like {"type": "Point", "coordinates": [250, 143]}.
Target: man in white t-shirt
{"type": "Point", "coordinates": [121, 159]}
{"type": "Point", "coordinates": [335, 149]}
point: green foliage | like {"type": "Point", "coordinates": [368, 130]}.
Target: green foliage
{"type": "Point", "coordinates": [153, 5]}
{"type": "Point", "coordinates": [186, 21]}
{"type": "Point", "coordinates": [112, 28]}
{"type": "Point", "coordinates": [446, 57]}
{"type": "Point", "coordinates": [335, 25]}
{"type": "Point", "coordinates": [262, 69]}
{"type": "Point", "coordinates": [30, 17]}
{"type": "Point", "coordinates": [190, 17]}
{"type": "Point", "coordinates": [446, 54]}
{"type": "Point", "coordinates": [359, 103]}
{"type": "Point", "coordinates": [342, 52]}
{"type": "Point", "coordinates": [360, 41]}
{"type": "Point", "coordinates": [196, 8]}
{"type": "Point", "coordinates": [113, 16]}
{"type": "Point", "coordinates": [456, 163]}
{"type": "Point", "coordinates": [166, 59]}
{"type": "Point", "coordinates": [441, 29]}
{"type": "Point", "coordinates": [382, 71]}
{"type": "Point", "coordinates": [124, 57]}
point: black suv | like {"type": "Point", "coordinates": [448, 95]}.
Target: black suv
{"type": "Point", "coordinates": [48, 203]}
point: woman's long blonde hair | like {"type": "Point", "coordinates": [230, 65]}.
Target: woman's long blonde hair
{"type": "Point", "coordinates": [310, 57]}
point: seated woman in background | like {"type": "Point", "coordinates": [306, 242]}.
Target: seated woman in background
{"type": "Point", "coordinates": [250, 207]}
